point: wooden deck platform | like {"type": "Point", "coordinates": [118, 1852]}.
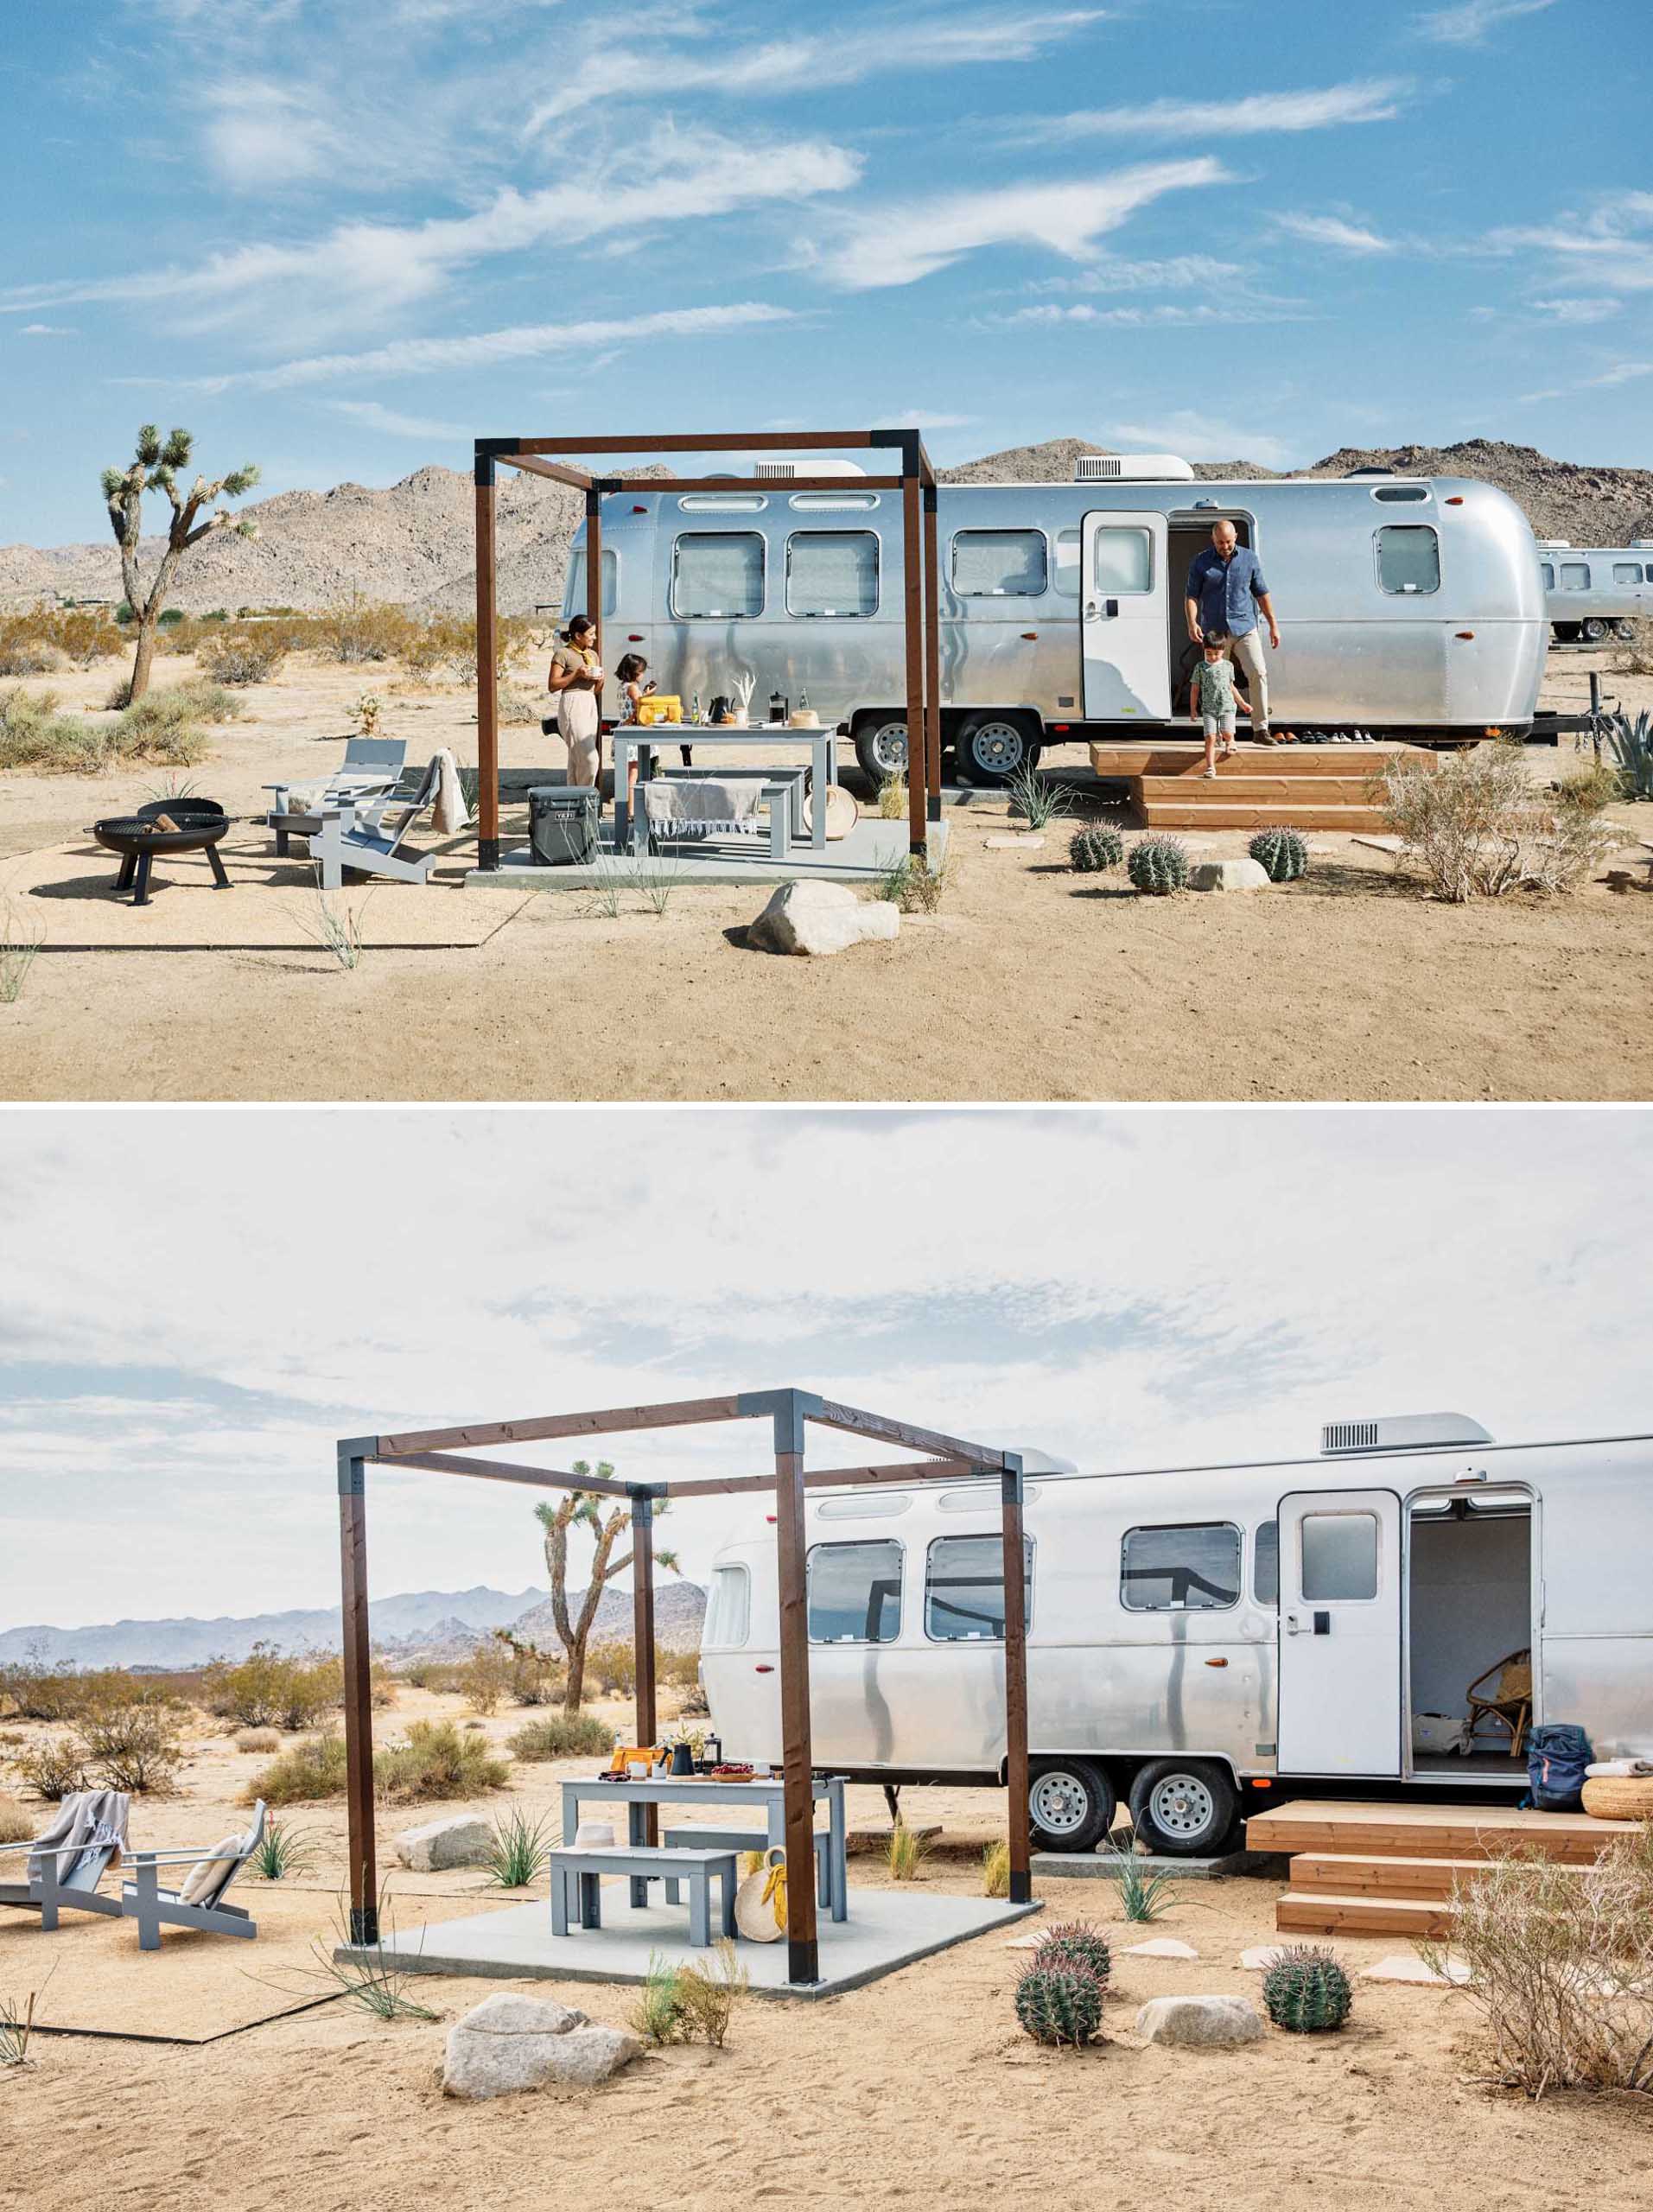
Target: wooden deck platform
{"type": "Point", "coordinates": [1258, 787]}
{"type": "Point", "coordinates": [1368, 1869]}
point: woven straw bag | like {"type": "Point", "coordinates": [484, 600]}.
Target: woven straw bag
{"type": "Point", "coordinates": [760, 1901]}
{"type": "Point", "coordinates": [1619, 1796]}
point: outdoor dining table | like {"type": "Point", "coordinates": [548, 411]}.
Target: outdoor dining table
{"type": "Point", "coordinates": [765, 1790]}
{"type": "Point", "coordinates": [639, 738]}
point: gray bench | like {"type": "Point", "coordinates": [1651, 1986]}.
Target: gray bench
{"type": "Point", "coordinates": [736, 1840]}
{"type": "Point", "coordinates": [570, 1867]}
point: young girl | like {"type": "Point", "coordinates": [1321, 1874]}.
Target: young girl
{"type": "Point", "coordinates": [1213, 696]}
{"type": "Point", "coordinates": [632, 690]}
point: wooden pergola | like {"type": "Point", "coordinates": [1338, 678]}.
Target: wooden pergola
{"type": "Point", "coordinates": [448, 1451]}
{"type": "Point", "coordinates": [920, 572]}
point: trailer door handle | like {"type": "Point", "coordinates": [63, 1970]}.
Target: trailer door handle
{"type": "Point", "coordinates": [1293, 1626]}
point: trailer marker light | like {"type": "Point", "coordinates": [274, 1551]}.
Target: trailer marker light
{"type": "Point", "coordinates": [1032, 636]}
{"type": "Point", "coordinates": [1456, 500]}
{"type": "Point", "coordinates": [1463, 633]}
{"type": "Point", "coordinates": [1217, 1662]}
{"type": "Point", "coordinates": [634, 638]}
{"type": "Point", "coordinates": [763, 1670]}
{"type": "Point", "coordinates": [1260, 1782]}
{"type": "Point", "coordinates": [1060, 729]}
{"type": "Point", "coordinates": [639, 511]}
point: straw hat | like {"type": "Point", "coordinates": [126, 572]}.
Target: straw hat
{"type": "Point", "coordinates": [594, 1835]}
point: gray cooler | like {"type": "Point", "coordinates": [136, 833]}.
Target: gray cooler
{"type": "Point", "coordinates": [562, 824]}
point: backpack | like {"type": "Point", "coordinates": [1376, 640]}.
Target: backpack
{"type": "Point", "coordinates": [1557, 1755]}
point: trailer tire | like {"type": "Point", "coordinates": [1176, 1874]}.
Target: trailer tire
{"type": "Point", "coordinates": [990, 748]}
{"type": "Point", "coordinates": [1184, 1808]}
{"type": "Point", "coordinates": [881, 748]}
{"type": "Point", "coordinates": [1593, 629]}
{"type": "Point", "coordinates": [1624, 630]}
{"type": "Point", "coordinates": [1071, 1804]}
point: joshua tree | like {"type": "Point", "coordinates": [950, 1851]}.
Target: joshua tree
{"type": "Point", "coordinates": [581, 1507]}
{"type": "Point", "coordinates": [154, 468]}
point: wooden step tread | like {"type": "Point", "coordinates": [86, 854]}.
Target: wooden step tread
{"type": "Point", "coordinates": [1344, 1874]}
{"type": "Point", "coordinates": [1315, 1913]}
{"type": "Point", "coordinates": [1295, 761]}
{"type": "Point", "coordinates": [1326, 791]}
{"type": "Point", "coordinates": [1363, 1827]}
{"type": "Point", "coordinates": [1217, 813]}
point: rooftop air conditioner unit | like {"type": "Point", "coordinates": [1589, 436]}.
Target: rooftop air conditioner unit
{"type": "Point", "coordinates": [1131, 469]}
{"type": "Point", "coordinates": [1402, 1433]}
{"type": "Point", "coordinates": [782, 472]}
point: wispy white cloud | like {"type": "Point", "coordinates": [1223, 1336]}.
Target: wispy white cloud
{"type": "Point", "coordinates": [1111, 272]}
{"type": "Point", "coordinates": [1471, 21]}
{"type": "Point", "coordinates": [1609, 244]}
{"type": "Point", "coordinates": [412, 357]}
{"type": "Point", "coordinates": [1579, 311]}
{"type": "Point", "coordinates": [1198, 436]}
{"type": "Point", "coordinates": [1334, 230]}
{"type": "Point", "coordinates": [1168, 315]}
{"type": "Point", "coordinates": [802, 62]}
{"type": "Point", "coordinates": [46, 330]}
{"type": "Point", "coordinates": [372, 416]}
{"type": "Point", "coordinates": [1372, 100]}
{"type": "Point", "coordinates": [904, 240]}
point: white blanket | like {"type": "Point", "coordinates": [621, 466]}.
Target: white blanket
{"type": "Point", "coordinates": [703, 799]}
{"type": "Point", "coordinates": [89, 1821]}
{"type": "Point", "coordinates": [451, 813]}
{"type": "Point", "coordinates": [1623, 1768]}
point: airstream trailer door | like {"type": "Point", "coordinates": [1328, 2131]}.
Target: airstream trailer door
{"type": "Point", "coordinates": [1127, 660]}
{"type": "Point", "coordinates": [1339, 1632]}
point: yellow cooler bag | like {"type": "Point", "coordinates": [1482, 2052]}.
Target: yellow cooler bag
{"type": "Point", "coordinates": [659, 707]}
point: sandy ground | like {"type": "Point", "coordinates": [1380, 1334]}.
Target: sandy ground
{"type": "Point", "coordinates": [918, 2089]}
{"type": "Point", "coordinates": [1030, 983]}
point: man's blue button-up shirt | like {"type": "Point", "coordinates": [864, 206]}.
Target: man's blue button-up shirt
{"type": "Point", "coordinates": [1227, 592]}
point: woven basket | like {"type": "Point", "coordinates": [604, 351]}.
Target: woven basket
{"type": "Point", "coordinates": [1619, 1796]}
{"type": "Point", "coordinates": [754, 1915]}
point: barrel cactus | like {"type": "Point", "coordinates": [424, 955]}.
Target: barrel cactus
{"type": "Point", "coordinates": [1075, 1942]}
{"type": "Point", "coordinates": [1094, 846]}
{"type": "Point", "coordinates": [1159, 865]}
{"type": "Point", "coordinates": [1282, 852]}
{"type": "Point", "coordinates": [1059, 2003]}
{"type": "Point", "coordinates": [1307, 1990]}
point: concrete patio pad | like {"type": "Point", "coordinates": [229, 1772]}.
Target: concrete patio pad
{"type": "Point", "coordinates": [872, 848]}
{"type": "Point", "coordinates": [886, 1930]}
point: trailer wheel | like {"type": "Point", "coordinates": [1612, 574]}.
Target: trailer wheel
{"type": "Point", "coordinates": [1567, 634]}
{"type": "Point", "coordinates": [881, 748]}
{"type": "Point", "coordinates": [1624, 630]}
{"type": "Point", "coordinates": [1071, 1804]}
{"type": "Point", "coordinates": [1183, 1807]}
{"type": "Point", "coordinates": [1593, 629]}
{"type": "Point", "coordinates": [992, 748]}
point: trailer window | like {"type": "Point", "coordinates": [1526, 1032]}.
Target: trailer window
{"type": "Point", "coordinates": [963, 1589]}
{"type": "Point", "coordinates": [1546, 570]}
{"type": "Point", "coordinates": [1070, 553]}
{"type": "Point", "coordinates": [1626, 572]}
{"type": "Point", "coordinates": [1193, 1569]}
{"type": "Point", "coordinates": [728, 1611]}
{"type": "Point", "coordinates": [999, 563]}
{"type": "Point", "coordinates": [854, 1593]}
{"type": "Point", "coordinates": [1124, 558]}
{"type": "Point", "coordinates": [1401, 495]}
{"type": "Point", "coordinates": [1409, 557]}
{"type": "Point", "coordinates": [717, 576]}
{"type": "Point", "coordinates": [832, 572]}
{"type": "Point", "coordinates": [1340, 1556]}
{"type": "Point", "coordinates": [1575, 576]}
{"type": "Point", "coordinates": [573, 592]}
{"type": "Point", "coordinates": [1265, 1565]}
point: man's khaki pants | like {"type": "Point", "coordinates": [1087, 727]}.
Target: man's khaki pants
{"type": "Point", "coordinates": [1246, 653]}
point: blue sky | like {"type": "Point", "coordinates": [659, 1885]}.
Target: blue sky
{"type": "Point", "coordinates": [341, 236]}
{"type": "Point", "coordinates": [1122, 1287]}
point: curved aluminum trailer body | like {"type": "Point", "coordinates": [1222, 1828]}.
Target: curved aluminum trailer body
{"type": "Point", "coordinates": [1593, 590]}
{"type": "Point", "coordinates": [1406, 607]}
{"type": "Point", "coordinates": [1155, 1628]}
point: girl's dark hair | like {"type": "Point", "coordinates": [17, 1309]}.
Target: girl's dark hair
{"type": "Point", "coordinates": [579, 622]}
{"type": "Point", "coordinates": [630, 667]}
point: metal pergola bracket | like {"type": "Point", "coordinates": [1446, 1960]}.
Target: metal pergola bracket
{"type": "Point", "coordinates": [921, 592]}
{"type": "Point", "coordinates": [947, 1458]}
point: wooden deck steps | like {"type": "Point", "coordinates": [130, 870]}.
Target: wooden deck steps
{"type": "Point", "coordinates": [1258, 787]}
{"type": "Point", "coordinates": [1362, 1869]}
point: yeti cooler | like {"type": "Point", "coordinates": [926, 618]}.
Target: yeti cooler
{"type": "Point", "coordinates": [562, 824]}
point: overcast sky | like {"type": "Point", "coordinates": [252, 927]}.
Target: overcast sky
{"type": "Point", "coordinates": [194, 1304]}
{"type": "Point", "coordinates": [341, 236]}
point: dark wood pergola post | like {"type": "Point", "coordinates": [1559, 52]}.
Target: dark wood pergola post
{"type": "Point", "coordinates": [912, 568]}
{"type": "Point", "coordinates": [803, 1957]}
{"type": "Point", "coordinates": [487, 670]}
{"type": "Point", "coordinates": [1015, 1684]}
{"type": "Point", "coordinates": [643, 1644]}
{"type": "Point", "coordinates": [358, 1687]}
{"type": "Point", "coordinates": [932, 655]}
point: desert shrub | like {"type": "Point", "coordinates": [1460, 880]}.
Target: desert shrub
{"type": "Point", "coordinates": [561, 1736]}
{"type": "Point", "coordinates": [269, 1689]}
{"type": "Point", "coordinates": [685, 2003]}
{"type": "Point", "coordinates": [1142, 1895]}
{"type": "Point", "coordinates": [680, 1669]}
{"type": "Point", "coordinates": [441, 1675]}
{"type": "Point", "coordinates": [517, 1850]}
{"type": "Point", "coordinates": [53, 1767]}
{"type": "Point", "coordinates": [33, 734]}
{"type": "Point", "coordinates": [995, 1870]}
{"type": "Point", "coordinates": [893, 800]}
{"type": "Point", "coordinates": [1059, 2003]}
{"type": "Point", "coordinates": [484, 1678]}
{"type": "Point", "coordinates": [535, 1676]}
{"type": "Point", "coordinates": [23, 649]}
{"type": "Point", "coordinates": [356, 630]}
{"type": "Point", "coordinates": [128, 1739]}
{"type": "Point", "coordinates": [906, 1853]}
{"type": "Point", "coordinates": [17, 1823]}
{"type": "Point", "coordinates": [198, 699]}
{"type": "Point", "coordinates": [1560, 1966]}
{"type": "Point", "coordinates": [307, 1771]}
{"type": "Point", "coordinates": [241, 657]}
{"type": "Point", "coordinates": [611, 1669]}
{"type": "Point", "coordinates": [38, 1689]}
{"type": "Point", "coordinates": [437, 1760]}
{"type": "Point", "coordinates": [1477, 827]}
{"type": "Point", "coordinates": [258, 1739]}
{"type": "Point", "coordinates": [281, 1851]}
{"type": "Point", "coordinates": [912, 884]}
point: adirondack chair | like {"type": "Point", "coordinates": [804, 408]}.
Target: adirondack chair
{"type": "Point", "coordinates": [197, 1902]}
{"type": "Point", "coordinates": [362, 837]}
{"type": "Point", "coordinates": [371, 765]}
{"type": "Point", "coordinates": [57, 1875]}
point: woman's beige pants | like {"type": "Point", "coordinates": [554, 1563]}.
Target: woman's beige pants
{"type": "Point", "coordinates": [576, 721]}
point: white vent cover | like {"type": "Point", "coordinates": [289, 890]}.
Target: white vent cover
{"type": "Point", "coordinates": [1402, 1433]}
{"type": "Point", "coordinates": [1131, 469]}
{"type": "Point", "coordinates": [782, 472]}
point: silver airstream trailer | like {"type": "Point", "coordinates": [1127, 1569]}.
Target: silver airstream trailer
{"type": "Point", "coordinates": [1595, 592]}
{"type": "Point", "coordinates": [1199, 1635]}
{"type": "Point", "coordinates": [1408, 607]}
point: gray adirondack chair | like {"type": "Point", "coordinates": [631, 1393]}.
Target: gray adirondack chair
{"type": "Point", "coordinates": [371, 765]}
{"type": "Point", "coordinates": [57, 1877]}
{"type": "Point", "coordinates": [154, 1908]}
{"type": "Point", "coordinates": [369, 837]}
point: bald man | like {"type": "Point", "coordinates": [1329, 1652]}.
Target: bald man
{"type": "Point", "coordinates": [1226, 592]}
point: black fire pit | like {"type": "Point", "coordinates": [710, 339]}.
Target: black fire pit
{"type": "Point", "coordinates": [138, 837]}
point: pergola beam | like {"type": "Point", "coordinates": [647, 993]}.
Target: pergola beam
{"type": "Point", "coordinates": [980, 1457]}
{"type": "Point", "coordinates": [506, 1470]}
{"type": "Point", "coordinates": [558, 472]}
{"type": "Point", "coordinates": [679, 1413]}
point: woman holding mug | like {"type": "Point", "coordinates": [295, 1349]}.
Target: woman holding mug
{"type": "Point", "coordinates": [575, 682]}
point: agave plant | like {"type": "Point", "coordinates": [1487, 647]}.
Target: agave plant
{"type": "Point", "coordinates": [1630, 745]}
